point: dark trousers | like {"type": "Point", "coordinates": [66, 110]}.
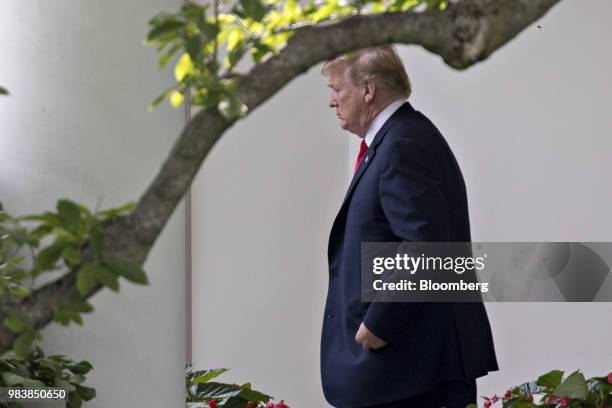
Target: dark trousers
{"type": "Point", "coordinates": [453, 394]}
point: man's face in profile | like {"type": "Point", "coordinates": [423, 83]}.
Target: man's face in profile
{"type": "Point", "coordinates": [346, 98]}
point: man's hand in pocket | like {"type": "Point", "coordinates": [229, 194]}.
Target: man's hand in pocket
{"type": "Point", "coordinates": [368, 340]}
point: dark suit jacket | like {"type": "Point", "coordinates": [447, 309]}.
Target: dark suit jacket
{"type": "Point", "coordinates": [409, 189]}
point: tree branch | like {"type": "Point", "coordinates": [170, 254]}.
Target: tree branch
{"type": "Point", "coordinates": [465, 33]}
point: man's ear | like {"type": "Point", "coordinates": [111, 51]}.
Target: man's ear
{"type": "Point", "coordinates": [369, 90]}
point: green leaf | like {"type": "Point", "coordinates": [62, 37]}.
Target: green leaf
{"type": "Point", "coordinates": [72, 255]}
{"type": "Point", "coordinates": [23, 344]}
{"type": "Point", "coordinates": [86, 278]}
{"type": "Point", "coordinates": [551, 379]}
{"type": "Point", "coordinates": [121, 210]}
{"type": "Point", "coordinates": [291, 12]}
{"type": "Point", "coordinates": [66, 385]}
{"type": "Point", "coordinates": [214, 390]}
{"type": "Point", "coordinates": [87, 393]}
{"type": "Point", "coordinates": [106, 277]}
{"type": "Point", "coordinates": [96, 239]}
{"type": "Point", "coordinates": [164, 28]}
{"type": "Point", "coordinates": [15, 324]}
{"type": "Point", "coordinates": [202, 97]}
{"type": "Point", "coordinates": [523, 404]}
{"type": "Point", "coordinates": [207, 375]}
{"type": "Point", "coordinates": [183, 67]}
{"type": "Point", "coordinates": [70, 214]}
{"type": "Point", "coordinates": [84, 307]}
{"type": "Point", "coordinates": [60, 316]}
{"type": "Point", "coordinates": [194, 12]}
{"type": "Point", "coordinates": [325, 11]}
{"type": "Point", "coordinates": [129, 270]}
{"type": "Point", "coordinates": [48, 257]}
{"type": "Point", "coordinates": [82, 367]}
{"type": "Point", "coordinates": [210, 31]}
{"type": "Point", "coordinates": [253, 9]}
{"type": "Point", "coordinates": [3, 91]}
{"type": "Point", "coordinates": [403, 5]}
{"type": "Point", "coordinates": [165, 58]}
{"type": "Point", "coordinates": [76, 378]}
{"type": "Point", "coordinates": [19, 291]}
{"type": "Point", "coordinates": [74, 400]}
{"type": "Point", "coordinates": [47, 217]}
{"type": "Point", "coordinates": [66, 313]}
{"type": "Point", "coordinates": [151, 107]}
{"type": "Point", "coordinates": [41, 231]}
{"type": "Point", "coordinates": [574, 386]}
{"type": "Point", "coordinates": [52, 367]}
{"type": "Point", "coordinates": [234, 37]}
{"type": "Point", "coordinates": [251, 395]}
{"type": "Point", "coordinates": [12, 379]}
{"type": "Point", "coordinates": [259, 51]}
{"type": "Point", "coordinates": [176, 99]}
{"type": "Point", "coordinates": [277, 41]}
{"type": "Point", "coordinates": [194, 47]}
{"type": "Point", "coordinates": [235, 54]}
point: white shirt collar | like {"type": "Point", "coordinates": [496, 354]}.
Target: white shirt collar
{"type": "Point", "coordinates": [380, 120]}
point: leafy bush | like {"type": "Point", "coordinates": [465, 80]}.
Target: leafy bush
{"type": "Point", "coordinates": [70, 239]}
{"type": "Point", "coordinates": [38, 371]}
{"type": "Point", "coordinates": [554, 391]}
{"type": "Point", "coordinates": [201, 392]}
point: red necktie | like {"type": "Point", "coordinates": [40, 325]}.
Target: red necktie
{"type": "Point", "coordinates": [363, 149]}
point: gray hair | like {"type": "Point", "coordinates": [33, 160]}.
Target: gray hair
{"type": "Point", "coordinates": [379, 64]}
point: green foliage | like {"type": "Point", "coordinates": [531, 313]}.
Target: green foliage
{"type": "Point", "coordinates": [71, 238]}
{"type": "Point", "coordinates": [200, 390]}
{"type": "Point", "coordinates": [554, 391]}
{"type": "Point", "coordinates": [209, 44]}
{"type": "Point", "coordinates": [3, 91]}
{"type": "Point", "coordinates": [38, 370]}
{"type": "Point", "coordinates": [132, 272]}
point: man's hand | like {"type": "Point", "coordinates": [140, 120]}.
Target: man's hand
{"type": "Point", "coordinates": [368, 340]}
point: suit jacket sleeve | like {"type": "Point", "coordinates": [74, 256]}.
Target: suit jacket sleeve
{"type": "Point", "coordinates": [414, 203]}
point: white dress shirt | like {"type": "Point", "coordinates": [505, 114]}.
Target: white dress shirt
{"type": "Point", "coordinates": [380, 120]}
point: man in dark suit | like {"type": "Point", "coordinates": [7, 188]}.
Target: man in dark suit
{"type": "Point", "coordinates": [407, 186]}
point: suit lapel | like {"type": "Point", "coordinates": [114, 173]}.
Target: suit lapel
{"type": "Point", "coordinates": [404, 109]}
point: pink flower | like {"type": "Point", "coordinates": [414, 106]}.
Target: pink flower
{"type": "Point", "coordinates": [508, 394]}
{"type": "Point", "coordinates": [610, 378]}
{"type": "Point", "coordinates": [562, 402]}
{"type": "Point", "coordinates": [212, 403]}
{"type": "Point", "coordinates": [279, 405]}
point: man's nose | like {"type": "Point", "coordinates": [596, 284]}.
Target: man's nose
{"type": "Point", "coordinates": [332, 102]}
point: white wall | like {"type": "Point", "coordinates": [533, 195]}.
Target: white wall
{"type": "Point", "coordinates": [531, 129]}
{"type": "Point", "coordinates": [262, 206]}
{"type": "Point", "coordinates": [77, 126]}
